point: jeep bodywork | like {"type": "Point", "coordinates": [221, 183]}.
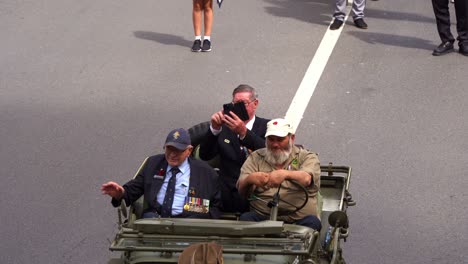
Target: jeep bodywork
{"type": "Point", "coordinates": [161, 240]}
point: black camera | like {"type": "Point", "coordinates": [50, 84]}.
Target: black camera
{"type": "Point", "coordinates": [238, 109]}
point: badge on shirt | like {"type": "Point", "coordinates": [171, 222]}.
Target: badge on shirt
{"type": "Point", "coordinates": [192, 192]}
{"type": "Point", "coordinates": [294, 165]}
{"type": "Point", "coordinates": [160, 175]}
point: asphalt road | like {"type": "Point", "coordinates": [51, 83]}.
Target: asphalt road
{"type": "Point", "coordinates": [90, 88]}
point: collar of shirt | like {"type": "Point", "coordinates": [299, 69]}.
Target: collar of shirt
{"type": "Point", "coordinates": [184, 170]}
{"type": "Point", "coordinates": [249, 125]}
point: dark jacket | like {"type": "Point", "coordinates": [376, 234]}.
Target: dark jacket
{"type": "Point", "coordinates": [204, 184]}
{"type": "Point", "coordinates": [228, 146]}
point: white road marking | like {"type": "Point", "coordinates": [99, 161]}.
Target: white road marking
{"type": "Point", "coordinates": [312, 76]}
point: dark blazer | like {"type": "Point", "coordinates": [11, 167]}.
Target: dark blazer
{"type": "Point", "coordinates": [204, 184]}
{"type": "Point", "coordinates": [228, 146]}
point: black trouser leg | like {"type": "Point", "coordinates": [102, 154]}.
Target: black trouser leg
{"type": "Point", "coordinates": [461, 11]}
{"type": "Point", "coordinates": [442, 15]}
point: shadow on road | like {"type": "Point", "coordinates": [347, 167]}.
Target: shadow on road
{"type": "Point", "coordinates": [312, 11]}
{"type": "Point", "coordinates": [166, 39]}
{"type": "Point", "coordinates": [399, 16]}
{"type": "Point", "coordinates": [393, 40]}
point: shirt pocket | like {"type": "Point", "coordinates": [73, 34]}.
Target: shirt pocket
{"type": "Point", "coordinates": [181, 190]}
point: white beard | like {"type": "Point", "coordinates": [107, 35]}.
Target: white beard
{"type": "Point", "coordinates": [280, 157]}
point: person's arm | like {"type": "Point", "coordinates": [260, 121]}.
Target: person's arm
{"type": "Point", "coordinates": [209, 147]}
{"type": "Point", "coordinates": [113, 189]}
{"type": "Point", "coordinates": [215, 199]}
{"type": "Point", "coordinates": [255, 140]}
{"type": "Point", "coordinates": [130, 192]}
{"type": "Point", "coordinates": [278, 176]}
{"type": "Point", "coordinates": [250, 177]}
{"type": "Point", "coordinates": [235, 124]}
{"type": "Point", "coordinates": [217, 120]}
{"type": "Point", "coordinates": [248, 183]}
{"type": "Point", "coordinates": [311, 165]}
{"type": "Point", "coordinates": [134, 189]}
{"type": "Point", "coordinates": [307, 173]}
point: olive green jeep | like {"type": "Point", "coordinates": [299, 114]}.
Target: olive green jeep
{"type": "Point", "coordinates": [228, 240]}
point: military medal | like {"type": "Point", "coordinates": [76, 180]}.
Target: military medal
{"type": "Point", "coordinates": [186, 204]}
{"type": "Point", "coordinates": [206, 205]}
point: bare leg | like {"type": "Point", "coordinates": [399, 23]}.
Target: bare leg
{"type": "Point", "coordinates": [197, 17]}
{"type": "Point", "coordinates": [208, 13]}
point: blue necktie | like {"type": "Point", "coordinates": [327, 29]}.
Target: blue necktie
{"type": "Point", "coordinates": [166, 208]}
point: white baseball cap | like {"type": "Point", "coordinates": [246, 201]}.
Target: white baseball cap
{"type": "Point", "coordinates": [279, 127]}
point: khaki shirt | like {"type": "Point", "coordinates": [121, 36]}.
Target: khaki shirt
{"type": "Point", "coordinates": [299, 160]}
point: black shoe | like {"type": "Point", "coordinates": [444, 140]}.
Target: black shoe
{"type": "Point", "coordinates": [196, 46]}
{"type": "Point", "coordinates": [360, 23]}
{"type": "Point", "coordinates": [336, 24]}
{"type": "Point", "coordinates": [463, 49]}
{"type": "Point", "coordinates": [206, 45]}
{"type": "Point", "coordinates": [443, 48]}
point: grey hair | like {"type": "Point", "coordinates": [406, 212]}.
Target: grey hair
{"type": "Point", "coordinates": [243, 88]}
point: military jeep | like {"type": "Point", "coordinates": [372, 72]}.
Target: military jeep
{"type": "Point", "coordinates": [163, 240]}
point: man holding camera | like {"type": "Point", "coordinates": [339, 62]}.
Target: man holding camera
{"type": "Point", "coordinates": [233, 136]}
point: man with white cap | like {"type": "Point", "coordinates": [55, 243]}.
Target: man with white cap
{"type": "Point", "coordinates": [270, 168]}
{"type": "Point", "coordinates": [173, 184]}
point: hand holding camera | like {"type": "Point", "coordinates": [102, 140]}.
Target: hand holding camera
{"type": "Point", "coordinates": [238, 109]}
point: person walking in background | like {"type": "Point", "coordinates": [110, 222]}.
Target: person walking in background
{"type": "Point", "coordinates": [442, 16]}
{"type": "Point", "coordinates": [202, 10]}
{"type": "Point", "coordinates": [358, 14]}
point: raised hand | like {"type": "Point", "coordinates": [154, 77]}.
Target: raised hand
{"type": "Point", "coordinates": [113, 189]}
{"type": "Point", "coordinates": [235, 124]}
{"type": "Point", "coordinates": [217, 120]}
